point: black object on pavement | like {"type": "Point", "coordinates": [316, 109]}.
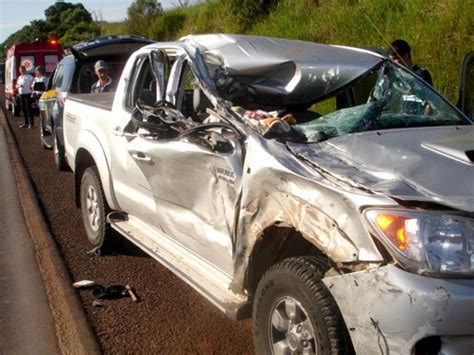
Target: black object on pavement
{"type": "Point", "coordinates": [109, 292]}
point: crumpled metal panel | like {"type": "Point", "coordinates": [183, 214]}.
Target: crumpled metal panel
{"type": "Point", "coordinates": [277, 187]}
{"type": "Point", "coordinates": [296, 72]}
{"type": "Point", "coordinates": [403, 308]}
{"type": "Point", "coordinates": [421, 164]}
{"type": "Point", "coordinates": [195, 192]}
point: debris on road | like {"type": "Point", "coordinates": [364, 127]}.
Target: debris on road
{"type": "Point", "coordinates": [106, 292]}
{"type": "Point", "coordinates": [97, 304]}
{"type": "Point", "coordinates": [110, 292]}
{"type": "Point", "coordinates": [131, 293]}
{"type": "Point", "coordinates": [83, 283]}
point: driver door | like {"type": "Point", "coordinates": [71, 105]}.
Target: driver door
{"type": "Point", "coordinates": [194, 176]}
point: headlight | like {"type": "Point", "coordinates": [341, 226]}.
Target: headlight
{"type": "Point", "coordinates": [430, 243]}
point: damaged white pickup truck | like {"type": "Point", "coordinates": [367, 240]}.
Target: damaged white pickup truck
{"type": "Point", "coordinates": [327, 187]}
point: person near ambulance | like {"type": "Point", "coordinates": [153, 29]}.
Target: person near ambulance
{"type": "Point", "coordinates": [23, 84]}
{"type": "Point", "coordinates": [39, 89]}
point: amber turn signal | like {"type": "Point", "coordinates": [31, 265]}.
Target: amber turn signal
{"type": "Point", "coordinates": [393, 227]}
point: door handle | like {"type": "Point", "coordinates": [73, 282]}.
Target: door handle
{"type": "Point", "coordinates": [140, 156]}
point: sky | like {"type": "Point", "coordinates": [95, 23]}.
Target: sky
{"type": "Point", "coordinates": [14, 14]}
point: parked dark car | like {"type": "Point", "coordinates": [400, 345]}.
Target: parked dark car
{"type": "Point", "coordinates": [75, 74]}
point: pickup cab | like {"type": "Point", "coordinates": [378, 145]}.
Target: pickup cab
{"type": "Point", "coordinates": [326, 191]}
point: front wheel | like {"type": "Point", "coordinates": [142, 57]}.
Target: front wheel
{"type": "Point", "coordinates": [294, 313]}
{"type": "Point", "coordinates": [94, 207]}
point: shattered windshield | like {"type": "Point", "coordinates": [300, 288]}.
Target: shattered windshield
{"type": "Point", "coordinates": [396, 100]}
{"type": "Point", "coordinates": [386, 97]}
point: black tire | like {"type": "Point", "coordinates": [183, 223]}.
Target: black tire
{"type": "Point", "coordinates": [295, 313]}
{"type": "Point", "coordinates": [59, 156]}
{"type": "Point", "coordinates": [94, 207]}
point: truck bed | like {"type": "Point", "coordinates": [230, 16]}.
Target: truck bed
{"type": "Point", "coordinates": [101, 100]}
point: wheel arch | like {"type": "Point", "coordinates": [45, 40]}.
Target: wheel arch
{"type": "Point", "coordinates": [285, 221]}
{"type": "Point", "coordinates": [277, 242]}
{"type": "Point", "coordinates": [84, 158]}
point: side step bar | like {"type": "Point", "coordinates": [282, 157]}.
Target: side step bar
{"type": "Point", "coordinates": [203, 277]}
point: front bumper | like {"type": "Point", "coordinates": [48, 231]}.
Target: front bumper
{"type": "Point", "coordinates": [388, 310]}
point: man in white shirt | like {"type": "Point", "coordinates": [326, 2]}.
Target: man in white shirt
{"type": "Point", "coordinates": [23, 84]}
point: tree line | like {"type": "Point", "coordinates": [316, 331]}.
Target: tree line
{"type": "Point", "coordinates": [69, 23]}
{"type": "Point", "coordinates": [72, 23]}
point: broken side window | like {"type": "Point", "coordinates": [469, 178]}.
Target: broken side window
{"type": "Point", "coordinates": [191, 100]}
{"type": "Point", "coordinates": [152, 115]}
{"type": "Point", "coordinates": [143, 84]}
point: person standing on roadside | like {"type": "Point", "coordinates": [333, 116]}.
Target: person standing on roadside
{"type": "Point", "coordinates": [400, 52]}
{"type": "Point", "coordinates": [104, 84]}
{"type": "Point", "coordinates": [23, 84]}
{"type": "Point", "coordinates": [39, 78]}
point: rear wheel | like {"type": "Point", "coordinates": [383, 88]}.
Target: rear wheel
{"type": "Point", "coordinates": [94, 207]}
{"type": "Point", "coordinates": [59, 157]}
{"type": "Point", "coordinates": [294, 313]}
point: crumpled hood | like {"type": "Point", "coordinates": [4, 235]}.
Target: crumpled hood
{"type": "Point", "coordinates": [282, 71]}
{"type": "Point", "coordinates": [433, 164]}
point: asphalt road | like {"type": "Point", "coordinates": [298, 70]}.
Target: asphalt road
{"type": "Point", "coordinates": [170, 316]}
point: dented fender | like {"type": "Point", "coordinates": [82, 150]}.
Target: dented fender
{"type": "Point", "coordinates": [403, 308]}
{"type": "Point", "coordinates": [279, 188]}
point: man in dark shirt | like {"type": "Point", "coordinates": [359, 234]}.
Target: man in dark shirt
{"type": "Point", "coordinates": [400, 52]}
{"type": "Point", "coordinates": [104, 84]}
